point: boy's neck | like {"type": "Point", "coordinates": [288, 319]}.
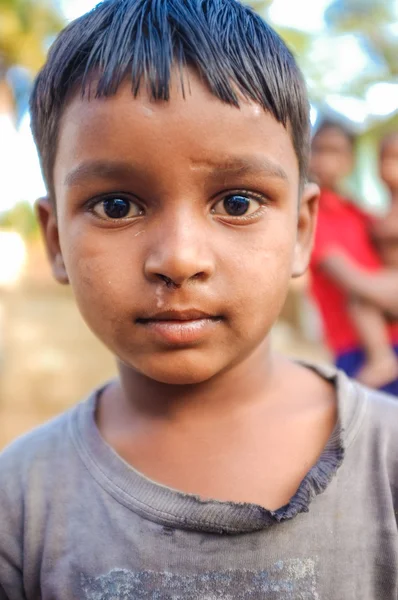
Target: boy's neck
{"type": "Point", "coordinates": [249, 435]}
{"type": "Point", "coordinates": [150, 399]}
{"type": "Point", "coordinates": [264, 381]}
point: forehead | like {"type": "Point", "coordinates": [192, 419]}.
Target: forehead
{"type": "Point", "coordinates": [190, 130]}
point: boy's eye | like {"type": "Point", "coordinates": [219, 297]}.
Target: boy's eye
{"type": "Point", "coordinates": [117, 208]}
{"type": "Point", "coordinates": [236, 205]}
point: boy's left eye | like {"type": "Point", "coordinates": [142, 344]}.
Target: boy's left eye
{"type": "Point", "coordinates": [236, 205]}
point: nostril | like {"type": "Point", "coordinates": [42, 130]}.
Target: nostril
{"type": "Point", "coordinates": [169, 282]}
{"type": "Point", "coordinates": [200, 275]}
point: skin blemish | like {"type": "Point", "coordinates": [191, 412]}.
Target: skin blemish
{"type": "Point", "coordinates": [147, 111]}
{"type": "Point", "coordinates": [159, 294]}
{"type": "Point", "coordinates": [139, 233]}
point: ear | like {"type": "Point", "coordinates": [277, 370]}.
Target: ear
{"type": "Point", "coordinates": [306, 225]}
{"type": "Point", "coordinates": [47, 217]}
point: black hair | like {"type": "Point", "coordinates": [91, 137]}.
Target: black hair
{"type": "Point", "coordinates": [329, 124]}
{"type": "Point", "coordinates": [231, 47]}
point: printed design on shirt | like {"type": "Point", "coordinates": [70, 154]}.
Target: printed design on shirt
{"type": "Point", "coordinates": [286, 580]}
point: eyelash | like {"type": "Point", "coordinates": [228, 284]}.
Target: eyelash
{"type": "Point", "coordinates": [257, 197]}
{"type": "Point", "coordinates": [91, 204]}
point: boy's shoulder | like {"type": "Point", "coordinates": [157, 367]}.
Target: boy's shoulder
{"type": "Point", "coordinates": [32, 468]}
{"type": "Point", "coordinates": [370, 418]}
{"type": "Point", "coordinates": [38, 449]}
{"type": "Point", "coordinates": [381, 414]}
{"type": "Point", "coordinates": [377, 445]}
{"type": "Point", "coordinates": [363, 413]}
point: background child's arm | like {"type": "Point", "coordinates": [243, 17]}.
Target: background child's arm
{"type": "Point", "coordinates": [380, 288]}
{"type": "Point", "coordinates": [381, 365]}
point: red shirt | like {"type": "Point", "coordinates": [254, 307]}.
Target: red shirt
{"type": "Point", "coordinates": [340, 225]}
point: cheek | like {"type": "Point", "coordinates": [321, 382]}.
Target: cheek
{"type": "Point", "coordinates": [262, 271]}
{"type": "Point", "coordinates": [102, 277]}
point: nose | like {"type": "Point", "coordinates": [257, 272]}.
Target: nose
{"type": "Point", "coordinates": [180, 253]}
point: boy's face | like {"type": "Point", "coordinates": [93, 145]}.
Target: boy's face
{"type": "Point", "coordinates": [332, 157]}
{"type": "Point", "coordinates": [389, 163]}
{"type": "Point", "coordinates": [178, 226]}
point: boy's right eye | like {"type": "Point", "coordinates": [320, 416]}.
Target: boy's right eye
{"type": "Point", "coordinates": [116, 208]}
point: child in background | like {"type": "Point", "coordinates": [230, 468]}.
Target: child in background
{"type": "Point", "coordinates": [385, 230]}
{"type": "Point", "coordinates": [370, 321]}
{"type": "Point", "coordinates": [356, 329]}
{"type": "Point", "coordinates": [174, 138]}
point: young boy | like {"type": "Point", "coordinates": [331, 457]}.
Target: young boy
{"type": "Point", "coordinates": [174, 140]}
{"type": "Point", "coordinates": [356, 329]}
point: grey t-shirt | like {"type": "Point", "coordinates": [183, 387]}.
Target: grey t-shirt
{"type": "Point", "coordinates": [77, 522]}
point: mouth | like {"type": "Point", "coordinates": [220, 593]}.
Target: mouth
{"type": "Point", "coordinates": [179, 328]}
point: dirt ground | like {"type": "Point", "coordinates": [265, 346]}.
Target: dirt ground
{"type": "Point", "coordinates": [49, 358]}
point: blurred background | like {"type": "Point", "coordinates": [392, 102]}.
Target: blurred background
{"type": "Point", "coordinates": [348, 50]}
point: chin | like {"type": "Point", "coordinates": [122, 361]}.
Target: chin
{"type": "Point", "coordinates": [178, 371]}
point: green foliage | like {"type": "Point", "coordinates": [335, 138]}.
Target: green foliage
{"type": "Point", "coordinates": [261, 6]}
{"type": "Point", "coordinates": [360, 15]}
{"type": "Point", "coordinates": [374, 22]}
{"type": "Point", "coordinates": [25, 26]}
{"type": "Point", "coordinates": [301, 44]}
{"type": "Point", "coordinates": [22, 219]}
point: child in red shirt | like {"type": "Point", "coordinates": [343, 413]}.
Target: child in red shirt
{"type": "Point", "coordinates": [355, 328]}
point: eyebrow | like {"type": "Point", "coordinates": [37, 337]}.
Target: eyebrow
{"type": "Point", "coordinates": [100, 169]}
{"type": "Point", "coordinates": [105, 169]}
{"type": "Point", "coordinates": [249, 165]}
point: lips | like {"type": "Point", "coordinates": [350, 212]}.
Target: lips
{"type": "Point", "coordinates": [177, 315]}
{"type": "Point", "coordinates": [179, 327]}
